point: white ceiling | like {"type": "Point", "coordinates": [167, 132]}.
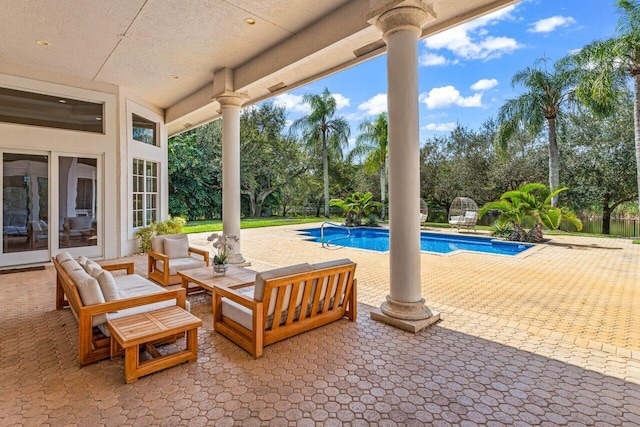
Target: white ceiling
{"type": "Point", "coordinates": [141, 44]}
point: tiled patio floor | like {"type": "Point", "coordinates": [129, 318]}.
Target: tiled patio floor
{"type": "Point", "coordinates": [550, 338]}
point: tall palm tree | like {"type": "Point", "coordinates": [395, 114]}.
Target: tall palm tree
{"type": "Point", "coordinates": [373, 143]}
{"type": "Point", "coordinates": [608, 65]}
{"type": "Point", "coordinates": [542, 103]}
{"type": "Point", "coordinates": [322, 126]}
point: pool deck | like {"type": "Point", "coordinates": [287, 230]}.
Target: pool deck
{"type": "Point", "coordinates": [549, 338]}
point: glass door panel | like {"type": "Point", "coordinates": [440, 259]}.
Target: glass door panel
{"type": "Point", "coordinates": [78, 202]}
{"type": "Point", "coordinates": [25, 203]}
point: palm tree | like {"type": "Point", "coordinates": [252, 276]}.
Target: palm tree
{"type": "Point", "coordinates": [546, 93]}
{"type": "Point", "coordinates": [607, 65]}
{"type": "Point", "coordinates": [373, 143]}
{"type": "Point", "coordinates": [321, 125]}
{"type": "Point", "coordinates": [531, 201]}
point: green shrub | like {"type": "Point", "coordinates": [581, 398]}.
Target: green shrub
{"type": "Point", "coordinates": [373, 220]}
{"type": "Point", "coordinates": [502, 229]}
{"type": "Point", "coordinates": [173, 225]}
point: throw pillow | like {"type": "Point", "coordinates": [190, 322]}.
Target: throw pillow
{"type": "Point", "coordinates": [108, 286]}
{"type": "Point", "coordinates": [90, 292]}
{"type": "Point", "coordinates": [176, 248]}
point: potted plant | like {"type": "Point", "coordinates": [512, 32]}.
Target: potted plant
{"type": "Point", "coordinates": [223, 244]}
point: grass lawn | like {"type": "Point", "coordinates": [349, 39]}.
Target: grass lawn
{"type": "Point", "coordinates": [216, 225]}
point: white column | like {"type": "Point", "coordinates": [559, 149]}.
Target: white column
{"type": "Point", "coordinates": [404, 307]}
{"type": "Point", "coordinates": [231, 103]}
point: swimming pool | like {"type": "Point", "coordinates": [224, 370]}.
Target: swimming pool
{"type": "Point", "coordinates": [377, 239]}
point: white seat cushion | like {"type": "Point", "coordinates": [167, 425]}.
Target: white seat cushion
{"type": "Point", "coordinates": [178, 264]}
{"type": "Point", "coordinates": [133, 285]}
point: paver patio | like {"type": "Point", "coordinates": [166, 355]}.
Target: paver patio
{"type": "Point", "coordinates": [551, 338]}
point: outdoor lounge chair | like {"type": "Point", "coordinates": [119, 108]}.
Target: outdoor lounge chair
{"type": "Point", "coordinates": [170, 253]}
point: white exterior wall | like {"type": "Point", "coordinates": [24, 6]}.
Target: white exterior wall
{"type": "Point", "coordinates": [131, 149]}
{"type": "Point", "coordinates": [115, 150]}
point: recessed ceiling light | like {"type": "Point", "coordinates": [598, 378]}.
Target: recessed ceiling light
{"type": "Point", "coordinates": [43, 42]}
{"type": "Point", "coordinates": [98, 118]}
{"type": "Point", "coordinates": [249, 21]}
{"type": "Point", "coordinates": [62, 101]}
{"type": "Point", "coordinates": [175, 77]}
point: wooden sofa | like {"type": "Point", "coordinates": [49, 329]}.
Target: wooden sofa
{"type": "Point", "coordinates": [303, 297]}
{"type": "Point", "coordinates": [93, 343]}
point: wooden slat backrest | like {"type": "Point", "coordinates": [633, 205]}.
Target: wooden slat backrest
{"type": "Point", "coordinates": [340, 277]}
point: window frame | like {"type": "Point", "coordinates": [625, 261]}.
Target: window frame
{"type": "Point", "coordinates": [145, 179]}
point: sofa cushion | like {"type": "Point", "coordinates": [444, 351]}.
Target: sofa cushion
{"type": "Point", "coordinates": [107, 284]}
{"type": "Point", "coordinates": [179, 264]}
{"type": "Point", "coordinates": [176, 247]}
{"type": "Point", "coordinates": [129, 286]}
{"type": "Point", "coordinates": [63, 256]}
{"type": "Point", "coordinates": [243, 316]}
{"type": "Point", "coordinates": [157, 242]}
{"type": "Point", "coordinates": [71, 265]}
{"type": "Point", "coordinates": [258, 294]}
{"type": "Point", "coordinates": [90, 292]}
{"type": "Point", "coordinates": [87, 286]}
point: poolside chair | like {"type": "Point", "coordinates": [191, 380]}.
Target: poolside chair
{"type": "Point", "coordinates": [463, 213]}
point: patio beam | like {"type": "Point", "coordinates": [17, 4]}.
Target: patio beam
{"type": "Point", "coordinates": [401, 23]}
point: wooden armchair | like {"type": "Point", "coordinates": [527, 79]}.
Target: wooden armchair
{"type": "Point", "coordinates": [171, 253]}
{"type": "Point", "coordinates": [285, 302]}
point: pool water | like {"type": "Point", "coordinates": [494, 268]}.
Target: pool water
{"type": "Point", "coordinates": [377, 239]}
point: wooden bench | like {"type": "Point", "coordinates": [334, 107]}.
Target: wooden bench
{"type": "Point", "coordinates": [132, 332]}
{"type": "Point", "coordinates": [93, 345]}
{"type": "Point", "coordinates": [317, 295]}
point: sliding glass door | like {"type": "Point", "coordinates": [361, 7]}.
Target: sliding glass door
{"type": "Point", "coordinates": [25, 206]}
{"type": "Point", "coordinates": [51, 203]}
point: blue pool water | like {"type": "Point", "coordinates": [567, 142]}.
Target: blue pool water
{"type": "Point", "coordinates": [377, 239]}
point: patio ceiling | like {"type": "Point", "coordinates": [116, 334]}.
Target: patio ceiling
{"type": "Point", "coordinates": [166, 51]}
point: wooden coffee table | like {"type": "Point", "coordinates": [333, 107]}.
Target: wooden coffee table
{"type": "Point", "coordinates": [142, 329]}
{"type": "Point", "coordinates": [205, 278]}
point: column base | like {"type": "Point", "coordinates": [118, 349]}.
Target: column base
{"type": "Point", "coordinates": [412, 317]}
{"type": "Point", "coordinates": [237, 260]}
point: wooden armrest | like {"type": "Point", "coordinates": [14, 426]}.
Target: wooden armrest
{"type": "Point", "coordinates": [158, 256]}
{"type": "Point", "coordinates": [122, 266]}
{"type": "Point", "coordinates": [205, 253]}
{"type": "Point", "coordinates": [236, 297]}
{"type": "Point", "coordinates": [179, 294]}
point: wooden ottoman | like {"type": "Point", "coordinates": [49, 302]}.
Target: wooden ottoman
{"type": "Point", "coordinates": [142, 329]}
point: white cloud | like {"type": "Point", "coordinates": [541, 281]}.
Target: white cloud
{"type": "Point", "coordinates": [440, 127]}
{"type": "Point", "coordinates": [292, 103]}
{"type": "Point", "coordinates": [472, 40]}
{"type": "Point", "coordinates": [432, 59]}
{"type": "Point", "coordinates": [375, 105]}
{"type": "Point", "coordinates": [575, 51]}
{"type": "Point", "coordinates": [550, 24]}
{"type": "Point", "coordinates": [484, 84]}
{"type": "Point", "coordinates": [448, 96]}
{"type": "Point", "coordinates": [341, 100]}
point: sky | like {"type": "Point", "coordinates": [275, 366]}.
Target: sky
{"type": "Point", "coordinates": [465, 72]}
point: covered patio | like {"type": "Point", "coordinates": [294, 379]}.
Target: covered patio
{"type": "Point", "coordinates": [539, 339]}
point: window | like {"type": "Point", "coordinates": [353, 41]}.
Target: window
{"type": "Point", "coordinates": [144, 130]}
{"type": "Point", "coordinates": [36, 109]}
{"type": "Point", "coordinates": [145, 192]}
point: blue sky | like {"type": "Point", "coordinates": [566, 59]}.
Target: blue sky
{"type": "Point", "coordinates": [465, 73]}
